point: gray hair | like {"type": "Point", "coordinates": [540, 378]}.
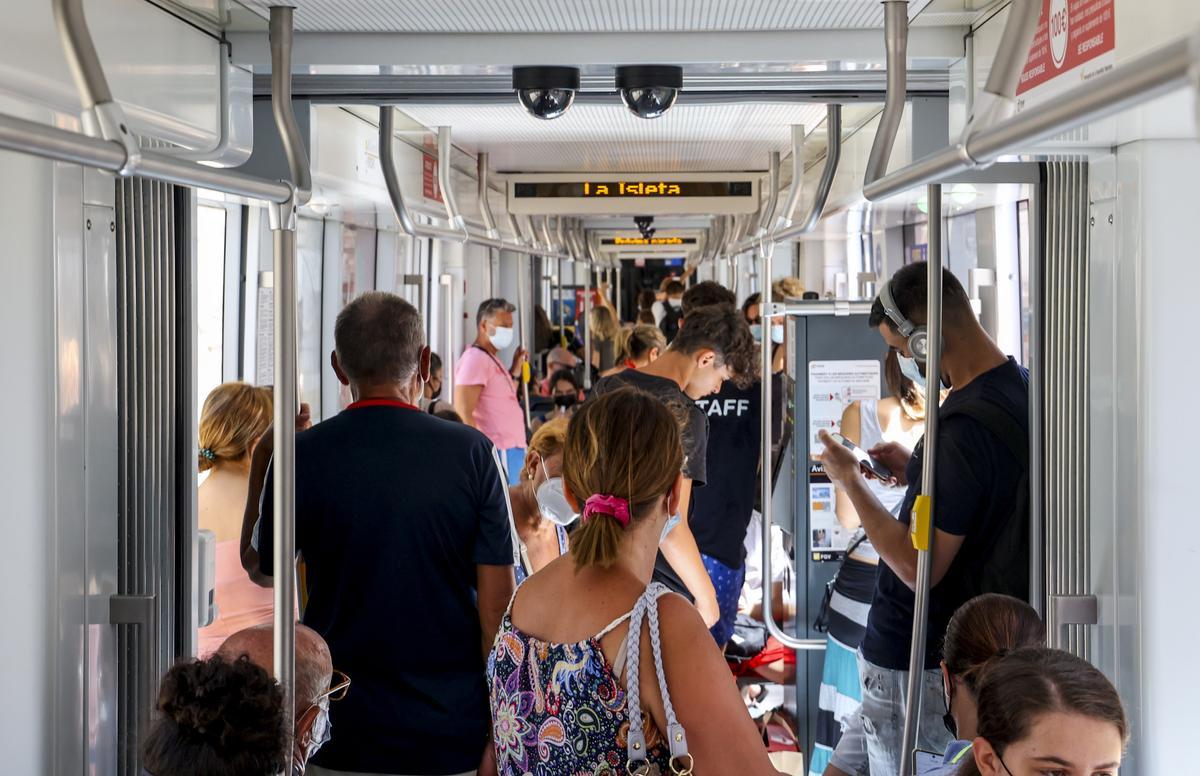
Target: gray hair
{"type": "Point", "coordinates": [488, 309]}
{"type": "Point", "coordinates": [378, 337]}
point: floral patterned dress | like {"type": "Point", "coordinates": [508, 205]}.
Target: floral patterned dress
{"type": "Point", "coordinates": [559, 710]}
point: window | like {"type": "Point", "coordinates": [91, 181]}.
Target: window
{"type": "Point", "coordinates": [210, 299]}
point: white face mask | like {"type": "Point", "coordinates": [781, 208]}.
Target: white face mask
{"type": "Point", "coordinates": [502, 337]}
{"type": "Point", "coordinates": [776, 332]}
{"type": "Point", "coordinates": [676, 303]}
{"type": "Point", "coordinates": [552, 501]}
{"type": "Point", "coordinates": [672, 521]}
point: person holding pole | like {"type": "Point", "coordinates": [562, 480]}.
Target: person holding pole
{"type": "Point", "coordinates": [980, 513]}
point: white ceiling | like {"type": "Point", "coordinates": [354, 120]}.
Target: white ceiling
{"type": "Point", "coordinates": [532, 16]}
{"type": "Point", "coordinates": [607, 138]}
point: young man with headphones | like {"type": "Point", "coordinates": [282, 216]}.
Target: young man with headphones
{"type": "Point", "coordinates": [981, 503]}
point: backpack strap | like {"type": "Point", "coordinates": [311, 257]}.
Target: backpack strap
{"type": "Point", "coordinates": [1001, 423]}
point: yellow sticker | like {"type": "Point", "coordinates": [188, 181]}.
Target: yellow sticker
{"type": "Point", "coordinates": [525, 373]}
{"type": "Point", "coordinates": [921, 526]}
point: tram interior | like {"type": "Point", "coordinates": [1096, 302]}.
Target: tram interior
{"type": "Point", "coordinates": [127, 301]}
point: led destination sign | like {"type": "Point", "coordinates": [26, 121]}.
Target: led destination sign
{"type": "Point", "coordinates": [648, 241]}
{"type": "Point", "coordinates": [661, 189]}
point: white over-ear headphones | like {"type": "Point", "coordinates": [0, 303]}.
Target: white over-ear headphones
{"type": "Point", "coordinates": [917, 336]}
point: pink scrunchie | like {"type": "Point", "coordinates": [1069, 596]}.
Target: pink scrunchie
{"type": "Point", "coordinates": [603, 504]}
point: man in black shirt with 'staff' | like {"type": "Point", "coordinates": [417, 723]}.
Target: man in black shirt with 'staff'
{"type": "Point", "coordinates": [980, 539]}
{"type": "Point", "coordinates": [403, 522]}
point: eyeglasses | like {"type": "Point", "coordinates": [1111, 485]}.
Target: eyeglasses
{"type": "Point", "coordinates": [338, 687]}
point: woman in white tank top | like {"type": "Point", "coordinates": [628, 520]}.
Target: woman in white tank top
{"type": "Point", "coordinates": [899, 418]}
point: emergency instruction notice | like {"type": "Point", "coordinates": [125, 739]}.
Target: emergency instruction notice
{"type": "Point", "coordinates": [832, 386]}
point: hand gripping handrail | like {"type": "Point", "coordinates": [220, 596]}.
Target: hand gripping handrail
{"type": "Point", "coordinates": [769, 310]}
{"type": "Point", "coordinates": [446, 183]}
{"type": "Point", "coordinates": [895, 38]}
{"type": "Point", "coordinates": [921, 525]}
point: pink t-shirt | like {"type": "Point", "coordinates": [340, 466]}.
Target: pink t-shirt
{"type": "Point", "coordinates": [498, 414]}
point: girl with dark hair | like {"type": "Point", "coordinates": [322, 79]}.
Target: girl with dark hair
{"type": "Point", "coordinates": [568, 685]}
{"type": "Point", "coordinates": [219, 718]}
{"type": "Point", "coordinates": [897, 418]}
{"type": "Point", "coordinates": [983, 628]}
{"type": "Point", "coordinates": [1045, 711]}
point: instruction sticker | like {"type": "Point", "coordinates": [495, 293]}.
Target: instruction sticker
{"type": "Point", "coordinates": [832, 386]}
{"type": "Point", "coordinates": [826, 536]}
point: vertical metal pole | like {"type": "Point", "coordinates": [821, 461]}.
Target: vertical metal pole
{"type": "Point", "coordinates": [1037, 378]}
{"type": "Point", "coordinates": [618, 300]}
{"type": "Point", "coordinates": [933, 366]}
{"type": "Point", "coordinates": [587, 330]}
{"type": "Point", "coordinates": [287, 399]}
{"type": "Point", "coordinates": [562, 308]}
{"type": "Point", "coordinates": [522, 312]}
{"type": "Point", "coordinates": [447, 282]}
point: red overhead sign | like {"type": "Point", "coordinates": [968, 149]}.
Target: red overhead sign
{"type": "Point", "coordinates": [1070, 33]}
{"type": "Point", "coordinates": [429, 178]}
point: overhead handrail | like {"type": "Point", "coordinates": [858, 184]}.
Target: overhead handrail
{"type": "Point", "coordinates": [768, 209]}
{"type": "Point", "coordinates": [280, 33]}
{"type": "Point", "coordinates": [446, 184]}
{"type": "Point", "coordinates": [921, 521]}
{"type": "Point", "coordinates": [997, 101]}
{"type": "Point", "coordinates": [895, 38]}
{"type": "Point", "coordinates": [833, 157]}
{"type": "Point", "coordinates": [387, 161]}
{"type": "Point", "coordinates": [793, 199]}
{"type": "Point", "coordinates": [485, 206]}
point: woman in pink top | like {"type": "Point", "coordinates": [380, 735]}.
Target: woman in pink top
{"type": "Point", "coordinates": [234, 417]}
{"type": "Point", "coordinates": [485, 392]}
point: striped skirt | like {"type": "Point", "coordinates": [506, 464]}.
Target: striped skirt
{"type": "Point", "coordinates": [841, 694]}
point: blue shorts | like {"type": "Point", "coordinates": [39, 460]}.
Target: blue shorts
{"type": "Point", "coordinates": [514, 459]}
{"type": "Point", "coordinates": [728, 584]}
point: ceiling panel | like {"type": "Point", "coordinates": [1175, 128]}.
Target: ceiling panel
{"type": "Point", "coordinates": [531, 16]}
{"type": "Point", "coordinates": [607, 138]}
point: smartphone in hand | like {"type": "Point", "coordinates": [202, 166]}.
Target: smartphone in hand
{"type": "Point", "coordinates": [872, 465]}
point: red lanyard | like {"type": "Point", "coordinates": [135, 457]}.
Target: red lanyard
{"type": "Point", "coordinates": [380, 403]}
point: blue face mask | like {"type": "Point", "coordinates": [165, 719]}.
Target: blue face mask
{"type": "Point", "coordinates": [672, 521]}
{"type": "Point", "coordinates": [776, 332]}
{"type": "Point", "coordinates": [910, 369]}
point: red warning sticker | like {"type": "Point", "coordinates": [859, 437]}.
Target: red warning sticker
{"type": "Point", "coordinates": [1070, 33]}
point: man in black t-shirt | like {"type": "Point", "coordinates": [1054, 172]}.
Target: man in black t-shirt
{"type": "Point", "coordinates": [403, 522]}
{"type": "Point", "coordinates": [713, 346]}
{"type": "Point", "coordinates": [980, 506]}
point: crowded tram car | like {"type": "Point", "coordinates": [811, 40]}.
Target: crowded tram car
{"type": "Point", "coordinates": [564, 387]}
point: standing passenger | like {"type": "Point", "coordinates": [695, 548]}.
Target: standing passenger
{"type": "Point", "coordinates": [605, 333]}
{"type": "Point", "coordinates": [234, 417]}
{"type": "Point", "coordinates": [561, 684]}
{"type": "Point", "coordinates": [640, 345]}
{"type": "Point", "coordinates": [713, 347]}
{"type": "Point", "coordinates": [403, 522]}
{"type": "Point", "coordinates": [672, 311]}
{"type": "Point", "coordinates": [981, 504]}
{"type": "Point", "coordinates": [540, 511]}
{"type": "Point", "coordinates": [485, 393]}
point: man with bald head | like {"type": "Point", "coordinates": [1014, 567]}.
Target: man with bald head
{"type": "Point", "coordinates": [314, 672]}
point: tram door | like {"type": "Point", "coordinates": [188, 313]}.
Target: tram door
{"type": "Point", "coordinates": [832, 360]}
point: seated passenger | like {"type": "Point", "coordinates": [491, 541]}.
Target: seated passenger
{"type": "Point", "coordinates": [217, 718]}
{"type": "Point", "coordinates": [403, 522]}
{"type": "Point", "coordinates": [558, 668]}
{"type": "Point", "coordinates": [234, 417]}
{"type": "Point", "coordinates": [639, 345]}
{"type": "Point", "coordinates": [539, 509]}
{"type": "Point", "coordinates": [558, 358]}
{"type": "Point", "coordinates": [1045, 711]}
{"type": "Point", "coordinates": [567, 394]}
{"type": "Point", "coordinates": [314, 675]}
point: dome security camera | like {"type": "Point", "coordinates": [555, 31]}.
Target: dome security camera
{"type": "Point", "coordinates": [649, 91]}
{"type": "Point", "coordinates": [545, 92]}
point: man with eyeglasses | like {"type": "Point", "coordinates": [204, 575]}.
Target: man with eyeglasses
{"type": "Point", "coordinates": [317, 683]}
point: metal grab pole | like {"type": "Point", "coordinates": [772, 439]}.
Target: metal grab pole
{"type": "Point", "coordinates": [485, 205]}
{"type": "Point", "coordinates": [587, 329]}
{"type": "Point", "coordinates": [447, 282]}
{"type": "Point", "coordinates": [562, 311]}
{"type": "Point", "coordinates": [522, 311]}
{"type": "Point", "coordinates": [768, 310]}
{"type": "Point", "coordinates": [446, 183]}
{"type": "Point", "coordinates": [895, 35]}
{"type": "Point", "coordinates": [287, 398]}
{"type": "Point", "coordinates": [924, 509]}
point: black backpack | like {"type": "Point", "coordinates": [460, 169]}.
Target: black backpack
{"type": "Point", "coordinates": [1006, 569]}
{"type": "Point", "coordinates": [670, 322]}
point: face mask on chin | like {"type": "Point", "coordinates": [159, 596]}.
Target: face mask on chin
{"type": "Point", "coordinates": [502, 337]}
{"type": "Point", "coordinates": [552, 501]}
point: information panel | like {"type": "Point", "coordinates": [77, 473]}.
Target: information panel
{"type": "Point", "coordinates": [667, 193]}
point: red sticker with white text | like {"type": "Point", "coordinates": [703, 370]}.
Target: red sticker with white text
{"type": "Point", "coordinates": [1070, 33]}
